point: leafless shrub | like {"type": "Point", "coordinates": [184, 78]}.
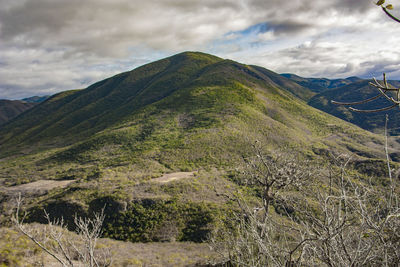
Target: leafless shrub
{"type": "Point", "coordinates": [256, 238]}
{"type": "Point", "coordinates": [65, 248]}
{"type": "Point", "coordinates": [353, 226]}
{"type": "Point", "coordinates": [346, 223]}
{"type": "Point", "coordinates": [274, 173]}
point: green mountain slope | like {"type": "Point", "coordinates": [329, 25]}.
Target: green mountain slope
{"type": "Point", "coordinates": [300, 91]}
{"type": "Point", "coordinates": [10, 109]}
{"type": "Point", "coordinates": [83, 113]}
{"type": "Point", "coordinates": [188, 111]}
{"type": "Point", "coordinates": [102, 104]}
{"type": "Point", "coordinates": [191, 112]}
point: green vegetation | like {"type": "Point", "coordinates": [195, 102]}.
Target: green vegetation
{"type": "Point", "coordinates": [190, 112]}
{"type": "Point", "coordinates": [162, 221]}
{"type": "Point", "coordinates": [15, 249]}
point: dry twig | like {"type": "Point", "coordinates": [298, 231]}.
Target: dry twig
{"type": "Point", "coordinates": [383, 90]}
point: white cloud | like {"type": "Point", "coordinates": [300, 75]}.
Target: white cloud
{"type": "Point", "coordinates": [52, 45]}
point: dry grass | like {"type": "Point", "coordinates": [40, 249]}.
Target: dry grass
{"type": "Point", "coordinates": [17, 250]}
{"type": "Point", "coordinates": [159, 254]}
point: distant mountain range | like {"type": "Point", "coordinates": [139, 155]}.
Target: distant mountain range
{"type": "Point", "coordinates": [170, 85]}
{"type": "Point", "coordinates": [10, 109]}
{"type": "Point", "coordinates": [36, 99]}
{"type": "Point", "coordinates": [320, 84]}
{"type": "Point", "coordinates": [318, 92]}
{"type": "Point", "coordinates": [351, 89]}
{"type": "Point", "coordinates": [355, 92]}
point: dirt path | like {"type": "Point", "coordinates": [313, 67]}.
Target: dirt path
{"type": "Point", "coordinates": [39, 186]}
{"type": "Point", "coordinates": [173, 177]}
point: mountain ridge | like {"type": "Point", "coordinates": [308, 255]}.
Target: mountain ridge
{"type": "Point", "coordinates": [9, 109]}
{"type": "Point", "coordinates": [192, 113]}
{"type": "Point", "coordinates": [112, 96]}
{"type": "Point", "coordinates": [158, 106]}
{"type": "Point", "coordinates": [321, 84]}
{"type": "Point", "coordinates": [353, 92]}
{"type": "Point", "coordinates": [35, 99]}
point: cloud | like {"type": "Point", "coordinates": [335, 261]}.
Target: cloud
{"type": "Point", "coordinates": [333, 59]}
{"type": "Point", "coordinates": [109, 28]}
{"type": "Point", "coordinates": [288, 27]}
{"type": "Point", "coordinates": [53, 45]}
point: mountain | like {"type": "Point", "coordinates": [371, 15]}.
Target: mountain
{"type": "Point", "coordinates": [78, 114]}
{"type": "Point", "coordinates": [152, 146]}
{"type": "Point", "coordinates": [350, 90]}
{"type": "Point", "coordinates": [302, 92]}
{"type": "Point", "coordinates": [353, 92]}
{"type": "Point", "coordinates": [36, 99]}
{"type": "Point", "coordinates": [320, 84]}
{"type": "Point", "coordinates": [10, 109]}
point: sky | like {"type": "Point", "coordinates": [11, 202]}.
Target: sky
{"type": "Point", "coordinates": [48, 46]}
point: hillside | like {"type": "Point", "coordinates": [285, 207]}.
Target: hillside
{"type": "Point", "coordinates": [10, 109]}
{"type": "Point", "coordinates": [76, 115]}
{"type": "Point", "coordinates": [353, 92]}
{"type": "Point", "coordinates": [320, 84]}
{"type": "Point", "coordinates": [349, 90]}
{"type": "Point", "coordinates": [35, 99]}
{"type": "Point", "coordinates": [153, 145]}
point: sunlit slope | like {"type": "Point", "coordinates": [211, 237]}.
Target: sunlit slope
{"type": "Point", "coordinates": [192, 116]}
{"type": "Point", "coordinates": [185, 112]}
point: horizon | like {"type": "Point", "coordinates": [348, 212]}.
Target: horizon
{"type": "Point", "coordinates": [41, 95]}
{"type": "Point", "coordinates": [49, 47]}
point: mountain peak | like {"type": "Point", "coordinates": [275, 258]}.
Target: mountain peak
{"type": "Point", "coordinates": [187, 77]}
{"type": "Point", "coordinates": [194, 56]}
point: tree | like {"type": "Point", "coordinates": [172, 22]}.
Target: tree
{"type": "Point", "coordinates": [348, 223]}
{"type": "Point", "coordinates": [257, 238]}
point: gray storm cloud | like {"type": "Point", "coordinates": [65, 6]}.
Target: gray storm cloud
{"type": "Point", "coordinates": [52, 45]}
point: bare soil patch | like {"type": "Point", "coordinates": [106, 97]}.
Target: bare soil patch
{"type": "Point", "coordinates": [40, 186]}
{"type": "Point", "coordinates": [332, 137]}
{"type": "Point", "coordinates": [173, 177]}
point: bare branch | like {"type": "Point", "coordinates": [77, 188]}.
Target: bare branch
{"type": "Point", "coordinates": [355, 103]}
{"type": "Point", "coordinates": [373, 110]}
{"type": "Point", "coordinates": [348, 229]}
{"type": "Point", "coordinates": [382, 89]}
{"type": "Point", "coordinates": [390, 15]}
{"type": "Point", "coordinates": [20, 226]}
{"type": "Point", "coordinates": [61, 244]}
